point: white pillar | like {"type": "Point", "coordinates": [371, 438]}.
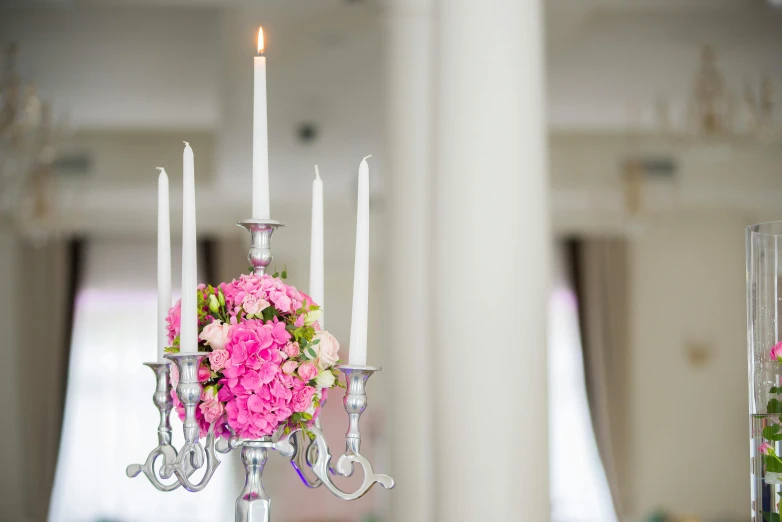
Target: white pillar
{"type": "Point", "coordinates": [490, 265]}
{"type": "Point", "coordinates": [409, 84]}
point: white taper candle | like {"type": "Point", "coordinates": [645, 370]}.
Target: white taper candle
{"type": "Point", "coordinates": [188, 337]}
{"type": "Point", "coordinates": [260, 136]}
{"type": "Point", "coordinates": [317, 292]}
{"type": "Point", "coordinates": [358, 325]}
{"type": "Point", "coordinates": [163, 262]}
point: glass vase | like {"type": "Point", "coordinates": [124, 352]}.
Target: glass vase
{"type": "Point", "coordinates": [765, 368]}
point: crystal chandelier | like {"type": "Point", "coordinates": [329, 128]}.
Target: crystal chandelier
{"type": "Point", "coordinates": [714, 111]}
{"type": "Point", "coordinates": [28, 142]}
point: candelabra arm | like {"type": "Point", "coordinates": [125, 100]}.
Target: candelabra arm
{"type": "Point", "coordinates": [192, 456]}
{"type": "Point", "coordinates": [305, 452]}
{"type": "Point", "coordinates": [355, 403]}
{"type": "Point", "coordinates": [164, 450]}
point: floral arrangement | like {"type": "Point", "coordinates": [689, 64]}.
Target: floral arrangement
{"type": "Point", "coordinates": [269, 364]}
{"type": "Point", "coordinates": [772, 433]}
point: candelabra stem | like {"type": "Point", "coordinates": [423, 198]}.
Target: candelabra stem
{"type": "Point", "coordinates": [254, 505]}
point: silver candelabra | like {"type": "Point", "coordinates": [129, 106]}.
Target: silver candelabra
{"type": "Point", "coordinates": [253, 504]}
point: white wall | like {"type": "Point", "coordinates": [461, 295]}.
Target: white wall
{"type": "Point", "coordinates": [688, 422]}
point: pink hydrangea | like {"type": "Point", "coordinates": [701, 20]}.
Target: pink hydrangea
{"type": "Point", "coordinates": [255, 376]}
{"type": "Point", "coordinates": [776, 352]}
{"type": "Point", "coordinates": [766, 448]}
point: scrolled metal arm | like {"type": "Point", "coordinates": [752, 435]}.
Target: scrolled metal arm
{"type": "Point", "coordinates": [164, 404]}
{"type": "Point", "coordinates": [192, 456]}
{"type": "Point", "coordinates": [316, 455]}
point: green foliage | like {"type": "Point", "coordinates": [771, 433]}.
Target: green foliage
{"type": "Point", "coordinates": [776, 389]}
{"type": "Point", "coordinates": [774, 406]}
{"type": "Point", "coordinates": [768, 516]}
{"type": "Point", "coordinates": [773, 464]}
{"type": "Point", "coordinates": [270, 313]}
{"type": "Point", "coordinates": [772, 432]}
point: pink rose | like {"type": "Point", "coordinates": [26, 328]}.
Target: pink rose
{"type": "Point", "coordinates": [204, 373]}
{"type": "Point", "coordinates": [253, 305]}
{"type": "Point", "coordinates": [308, 371]}
{"type": "Point", "coordinates": [215, 334]}
{"type": "Point", "coordinates": [210, 406]}
{"type": "Point", "coordinates": [303, 399]}
{"type": "Point", "coordinates": [328, 354]}
{"type": "Point", "coordinates": [776, 352]}
{"type": "Point", "coordinates": [289, 367]}
{"type": "Point", "coordinates": [766, 448]}
{"type": "Point", "coordinates": [218, 359]}
{"type": "Point", "coordinates": [292, 350]}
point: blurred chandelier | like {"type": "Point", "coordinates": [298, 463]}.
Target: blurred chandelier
{"type": "Point", "coordinates": [715, 112]}
{"type": "Point", "coordinates": [28, 140]}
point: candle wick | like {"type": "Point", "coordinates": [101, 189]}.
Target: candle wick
{"type": "Point", "coordinates": [367, 157]}
{"type": "Point", "coordinates": [317, 172]}
{"type": "Point", "coordinates": [186, 143]}
{"type": "Point", "coordinates": [161, 169]}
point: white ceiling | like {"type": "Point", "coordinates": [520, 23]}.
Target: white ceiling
{"type": "Point", "coordinates": [601, 54]}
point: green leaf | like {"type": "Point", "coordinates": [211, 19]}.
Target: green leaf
{"type": "Point", "coordinates": [276, 275]}
{"type": "Point", "coordinates": [316, 341]}
{"type": "Point", "coordinates": [311, 353]}
{"type": "Point", "coordinates": [774, 406]}
{"type": "Point", "coordinates": [776, 389]}
{"type": "Point", "coordinates": [269, 313]}
{"type": "Point", "coordinates": [768, 516]}
{"type": "Point", "coordinates": [772, 432]}
{"type": "Point", "coordinates": [773, 464]}
{"type": "Point", "coordinates": [284, 274]}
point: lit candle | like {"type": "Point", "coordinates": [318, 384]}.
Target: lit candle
{"type": "Point", "coordinates": [188, 337]}
{"type": "Point", "coordinates": [260, 136]}
{"type": "Point", "coordinates": [163, 262]}
{"type": "Point", "coordinates": [358, 325]}
{"type": "Point", "coordinates": [316, 245]}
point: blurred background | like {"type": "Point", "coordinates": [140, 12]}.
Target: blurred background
{"type": "Point", "coordinates": [559, 192]}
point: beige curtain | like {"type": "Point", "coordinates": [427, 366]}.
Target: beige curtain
{"type": "Point", "coordinates": [601, 277]}
{"type": "Point", "coordinates": [45, 283]}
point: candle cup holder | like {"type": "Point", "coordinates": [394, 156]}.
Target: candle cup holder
{"type": "Point", "coordinates": [164, 403]}
{"type": "Point", "coordinates": [261, 230]}
{"type": "Point", "coordinates": [192, 456]}
{"type": "Point", "coordinates": [305, 449]}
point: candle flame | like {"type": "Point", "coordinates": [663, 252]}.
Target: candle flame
{"type": "Point", "coordinates": [261, 43]}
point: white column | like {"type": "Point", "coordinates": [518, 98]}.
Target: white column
{"type": "Point", "coordinates": [409, 82]}
{"type": "Point", "coordinates": [490, 265]}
